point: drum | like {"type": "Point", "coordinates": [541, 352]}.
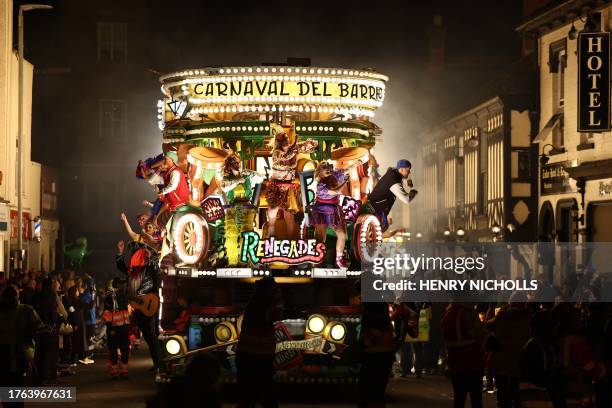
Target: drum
{"type": "Point", "coordinates": [205, 163]}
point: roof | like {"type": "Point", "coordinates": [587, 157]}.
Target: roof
{"type": "Point", "coordinates": [558, 13]}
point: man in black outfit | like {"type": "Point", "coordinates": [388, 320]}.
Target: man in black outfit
{"type": "Point", "coordinates": [389, 188]}
{"type": "Point", "coordinates": [140, 263]}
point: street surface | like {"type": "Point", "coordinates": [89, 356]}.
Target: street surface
{"type": "Point", "coordinates": [96, 389]}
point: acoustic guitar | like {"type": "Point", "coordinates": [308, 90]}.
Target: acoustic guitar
{"type": "Point", "coordinates": [148, 304]}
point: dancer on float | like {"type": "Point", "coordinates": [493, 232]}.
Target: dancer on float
{"type": "Point", "coordinates": [281, 191]}
{"type": "Point", "coordinates": [175, 192]}
{"type": "Point", "coordinates": [151, 171]}
{"type": "Point", "coordinates": [326, 211]}
{"type": "Point", "coordinates": [389, 188]}
{"type": "Point", "coordinates": [233, 176]}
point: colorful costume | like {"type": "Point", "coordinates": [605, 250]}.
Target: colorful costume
{"type": "Point", "coordinates": [117, 318]}
{"type": "Point", "coordinates": [281, 191]}
{"type": "Point", "coordinates": [231, 182]}
{"type": "Point", "coordinates": [176, 190]}
{"type": "Point", "coordinates": [147, 170]}
{"type": "Point", "coordinates": [326, 209]}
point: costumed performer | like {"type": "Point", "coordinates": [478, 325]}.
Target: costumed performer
{"type": "Point", "coordinates": [281, 191]}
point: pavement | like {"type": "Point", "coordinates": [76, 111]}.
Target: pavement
{"type": "Point", "coordinates": [96, 389]}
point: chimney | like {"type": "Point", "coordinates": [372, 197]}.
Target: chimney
{"type": "Point", "coordinates": [437, 41]}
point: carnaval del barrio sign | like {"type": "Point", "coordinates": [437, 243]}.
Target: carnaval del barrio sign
{"type": "Point", "coordinates": [256, 250]}
{"type": "Point", "coordinates": [253, 89]}
{"type": "Point", "coordinates": [594, 82]}
{"type": "Point", "coordinates": [265, 88]}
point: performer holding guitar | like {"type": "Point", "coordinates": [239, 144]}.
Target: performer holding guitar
{"type": "Point", "coordinates": [140, 264]}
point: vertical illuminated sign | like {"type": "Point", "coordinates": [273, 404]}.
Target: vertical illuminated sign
{"type": "Point", "coordinates": [594, 82]}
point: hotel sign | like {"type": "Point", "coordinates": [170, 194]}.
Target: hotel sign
{"type": "Point", "coordinates": [594, 82]}
{"type": "Point", "coordinates": [555, 180]}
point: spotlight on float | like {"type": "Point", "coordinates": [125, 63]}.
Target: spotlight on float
{"type": "Point", "coordinates": [495, 229]}
{"type": "Point", "coordinates": [335, 331]}
{"type": "Point", "coordinates": [446, 232]}
{"type": "Point", "coordinates": [175, 345]}
{"type": "Point", "coordinates": [316, 324]}
{"type": "Point", "coordinates": [225, 332]}
{"type": "Point", "coordinates": [460, 232]}
{"type": "Point", "coordinates": [419, 235]}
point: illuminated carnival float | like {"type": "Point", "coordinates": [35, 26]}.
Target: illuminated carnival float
{"type": "Point", "coordinates": [249, 140]}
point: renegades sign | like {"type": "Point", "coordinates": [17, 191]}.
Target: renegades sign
{"type": "Point", "coordinates": [593, 82]}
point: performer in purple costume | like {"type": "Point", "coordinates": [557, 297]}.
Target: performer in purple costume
{"type": "Point", "coordinates": [326, 211]}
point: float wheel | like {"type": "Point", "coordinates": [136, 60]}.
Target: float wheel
{"type": "Point", "coordinates": [367, 231]}
{"type": "Point", "coordinates": [191, 236]}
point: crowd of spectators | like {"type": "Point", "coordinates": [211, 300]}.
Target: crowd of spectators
{"type": "Point", "coordinates": [49, 325]}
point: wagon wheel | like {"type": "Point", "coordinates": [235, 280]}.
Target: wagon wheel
{"type": "Point", "coordinates": [191, 237]}
{"type": "Point", "coordinates": [367, 237]}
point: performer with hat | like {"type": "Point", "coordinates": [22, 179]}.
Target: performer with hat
{"type": "Point", "coordinates": [391, 187]}
{"type": "Point", "coordinates": [175, 192]}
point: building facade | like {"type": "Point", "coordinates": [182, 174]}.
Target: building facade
{"type": "Point", "coordinates": [478, 175]}
{"type": "Point", "coordinates": [575, 166]}
{"type": "Point", "coordinates": [9, 71]}
{"type": "Point", "coordinates": [95, 117]}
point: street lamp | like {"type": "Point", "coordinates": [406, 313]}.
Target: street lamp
{"type": "Point", "coordinates": [544, 157]}
{"type": "Point", "coordinates": [22, 9]}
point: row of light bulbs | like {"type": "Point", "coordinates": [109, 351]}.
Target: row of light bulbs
{"type": "Point", "coordinates": [314, 99]}
{"type": "Point", "coordinates": [331, 129]}
{"type": "Point", "coordinates": [291, 78]}
{"type": "Point", "coordinates": [228, 129]}
{"type": "Point", "coordinates": [341, 110]}
{"type": "Point", "coordinates": [288, 70]}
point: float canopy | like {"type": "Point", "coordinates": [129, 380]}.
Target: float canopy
{"type": "Point", "coordinates": [274, 88]}
{"type": "Point", "coordinates": [348, 153]}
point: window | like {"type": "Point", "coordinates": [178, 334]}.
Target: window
{"type": "Point", "coordinates": [557, 136]}
{"type": "Point", "coordinates": [483, 177]}
{"type": "Point", "coordinates": [112, 118]}
{"type": "Point", "coordinates": [558, 63]}
{"type": "Point", "coordinates": [112, 42]}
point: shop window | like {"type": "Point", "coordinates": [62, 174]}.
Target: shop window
{"type": "Point", "coordinates": [112, 42]}
{"type": "Point", "coordinates": [112, 118]}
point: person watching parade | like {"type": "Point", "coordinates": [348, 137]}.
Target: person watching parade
{"type": "Point", "coordinates": [175, 192]}
{"type": "Point", "coordinates": [391, 187]}
{"type": "Point", "coordinates": [117, 318]}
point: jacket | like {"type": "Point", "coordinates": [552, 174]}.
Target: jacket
{"type": "Point", "coordinates": [511, 329]}
{"type": "Point", "coordinates": [382, 198]}
{"type": "Point", "coordinates": [180, 195]}
{"type": "Point", "coordinates": [88, 298]}
{"type": "Point", "coordinates": [463, 336]}
{"type": "Point", "coordinates": [17, 331]}
{"type": "Point", "coordinates": [116, 309]}
{"type": "Point", "coordinates": [141, 280]}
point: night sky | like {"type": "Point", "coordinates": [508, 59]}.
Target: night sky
{"type": "Point", "coordinates": [388, 36]}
